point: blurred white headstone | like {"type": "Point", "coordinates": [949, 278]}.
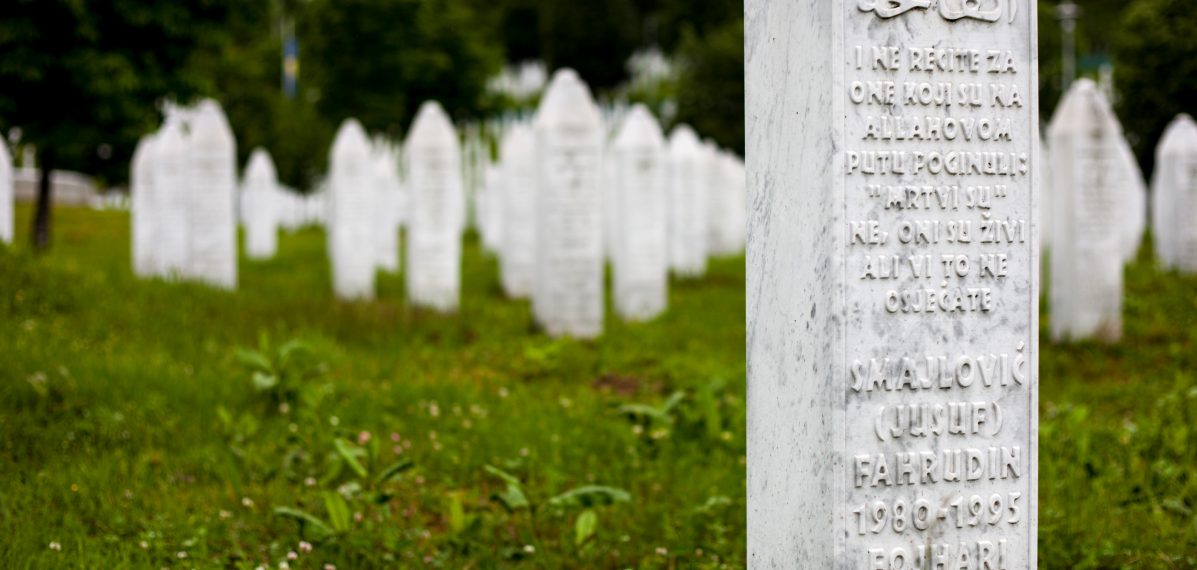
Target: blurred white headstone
{"type": "Point", "coordinates": [491, 207]}
{"type": "Point", "coordinates": [1174, 195]}
{"type": "Point", "coordinates": [689, 184]}
{"type": "Point", "coordinates": [171, 190]}
{"type": "Point", "coordinates": [143, 215]}
{"type": "Point", "coordinates": [518, 208]}
{"type": "Point", "coordinates": [6, 194]}
{"type": "Point", "coordinates": [262, 203]}
{"type": "Point", "coordinates": [569, 290]}
{"type": "Point", "coordinates": [722, 204]}
{"type": "Point", "coordinates": [1092, 196]}
{"type": "Point", "coordinates": [212, 233]}
{"type": "Point", "coordinates": [641, 260]}
{"type": "Point", "coordinates": [351, 212]}
{"type": "Point", "coordinates": [386, 222]}
{"type": "Point", "coordinates": [437, 209]}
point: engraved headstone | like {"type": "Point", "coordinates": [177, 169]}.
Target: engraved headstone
{"type": "Point", "coordinates": [262, 205]}
{"type": "Point", "coordinates": [1093, 196]}
{"type": "Point", "coordinates": [143, 214]}
{"type": "Point", "coordinates": [689, 184]}
{"type": "Point", "coordinates": [437, 210]}
{"type": "Point", "coordinates": [517, 261]}
{"type": "Point", "coordinates": [641, 264]}
{"type": "Point", "coordinates": [386, 213]}
{"type": "Point", "coordinates": [171, 190]}
{"type": "Point", "coordinates": [892, 277]}
{"type": "Point", "coordinates": [351, 212]}
{"type": "Point", "coordinates": [1174, 195]}
{"type": "Point", "coordinates": [6, 194]}
{"type": "Point", "coordinates": [569, 287]}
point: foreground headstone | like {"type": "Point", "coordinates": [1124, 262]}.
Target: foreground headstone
{"type": "Point", "coordinates": [437, 210]}
{"type": "Point", "coordinates": [351, 214]}
{"type": "Point", "coordinates": [1174, 196]}
{"type": "Point", "coordinates": [1092, 194]}
{"type": "Point", "coordinates": [262, 206]}
{"type": "Point", "coordinates": [171, 190]}
{"type": "Point", "coordinates": [143, 214]}
{"type": "Point", "coordinates": [517, 260]}
{"type": "Point", "coordinates": [569, 287]}
{"type": "Point", "coordinates": [689, 184]}
{"type": "Point", "coordinates": [641, 260]}
{"type": "Point", "coordinates": [892, 329]}
{"type": "Point", "coordinates": [6, 194]}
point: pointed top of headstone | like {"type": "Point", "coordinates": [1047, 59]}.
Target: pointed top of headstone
{"type": "Point", "coordinates": [210, 128]}
{"type": "Point", "coordinates": [1180, 136]}
{"type": "Point", "coordinates": [684, 141]}
{"type": "Point", "coordinates": [431, 128]}
{"type": "Point", "coordinates": [567, 102]}
{"type": "Point", "coordinates": [260, 167]}
{"type": "Point", "coordinates": [639, 130]}
{"type": "Point", "coordinates": [172, 137]}
{"type": "Point", "coordinates": [351, 140]}
{"type": "Point", "coordinates": [1082, 109]}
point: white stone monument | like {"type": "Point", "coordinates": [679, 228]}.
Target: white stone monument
{"type": "Point", "coordinates": [721, 204]}
{"type": "Point", "coordinates": [641, 256]}
{"type": "Point", "coordinates": [892, 277]}
{"type": "Point", "coordinates": [212, 221]}
{"type": "Point", "coordinates": [1174, 195]}
{"type": "Point", "coordinates": [6, 194]}
{"type": "Point", "coordinates": [517, 260]}
{"type": "Point", "coordinates": [143, 214]}
{"type": "Point", "coordinates": [1093, 195]}
{"type": "Point", "coordinates": [171, 191]}
{"type": "Point", "coordinates": [569, 288]}
{"type": "Point", "coordinates": [385, 172]}
{"type": "Point", "coordinates": [437, 210]}
{"type": "Point", "coordinates": [262, 206]}
{"type": "Point", "coordinates": [689, 186]}
{"type": "Point", "coordinates": [351, 214]}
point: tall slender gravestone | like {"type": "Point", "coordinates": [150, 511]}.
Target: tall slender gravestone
{"type": "Point", "coordinates": [437, 210]}
{"type": "Point", "coordinates": [143, 214]}
{"type": "Point", "coordinates": [171, 191]}
{"type": "Point", "coordinates": [351, 213]}
{"type": "Point", "coordinates": [385, 173]}
{"type": "Point", "coordinates": [1174, 195]}
{"type": "Point", "coordinates": [6, 194]}
{"type": "Point", "coordinates": [689, 184]}
{"type": "Point", "coordinates": [517, 260]}
{"type": "Point", "coordinates": [212, 221]}
{"type": "Point", "coordinates": [569, 287]}
{"type": "Point", "coordinates": [892, 277]}
{"type": "Point", "coordinates": [722, 203]}
{"type": "Point", "coordinates": [1093, 195]}
{"type": "Point", "coordinates": [641, 260]}
{"type": "Point", "coordinates": [262, 206]}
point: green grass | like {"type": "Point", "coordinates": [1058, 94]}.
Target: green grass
{"type": "Point", "coordinates": [131, 430]}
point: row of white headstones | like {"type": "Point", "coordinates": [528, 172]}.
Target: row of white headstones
{"type": "Point", "coordinates": [562, 200]}
{"type": "Point", "coordinates": [1095, 210]}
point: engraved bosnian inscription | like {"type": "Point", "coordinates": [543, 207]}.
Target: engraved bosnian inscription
{"type": "Point", "coordinates": [939, 458]}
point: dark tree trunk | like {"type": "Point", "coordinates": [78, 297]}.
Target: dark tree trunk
{"type": "Point", "coordinates": [41, 211]}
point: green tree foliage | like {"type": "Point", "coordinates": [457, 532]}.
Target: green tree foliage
{"type": "Point", "coordinates": [378, 60]}
{"type": "Point", "coordinates": [1156, 55]}
{"type": "Point", "coordinates": [711, 88]}
{"type": "Point", "coordinates": [594, 38]}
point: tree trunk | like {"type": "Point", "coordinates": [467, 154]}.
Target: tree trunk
{"type": "Point", "coordinates": [41, 211]}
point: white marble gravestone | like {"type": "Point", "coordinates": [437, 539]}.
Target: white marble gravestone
{"type": "Point", "coordinates": [641, 256]}
{"type": "Point", "coordinates": [352, 203]}
{"type": "Point", "coordinates": [722, 203]}
{"type": "Point", "coordinates": [892, 276]}
{"type": "Point", "coordinates": [517, 260]}
{"type": "Point", "coordinates": [569, 285]}
{"type": "Point", "coordinates": [6, 194]}
{"type": "Point", "coordinates": [689, 184]}
{"type": "Point", "coordinates": [385, 172]}
{"type": "Point", "coordinates": [1174, 195]}
{"type": "Point", "coordinates": [262, 206]}
{"type": "Point", "coordinates": [492, 212]}
{"type": "Point", "coordinates": [172, 205]}
{"type": "Point", "coordinates": [437, 210]}
{"type": "Point", "coordinates": [143, 214]}
{"type": "Point", "coordinates": [212, 221]}
{"type": "Point", "coordinates": [1093, 195]}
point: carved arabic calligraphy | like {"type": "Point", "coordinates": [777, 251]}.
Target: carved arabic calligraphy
{"type": "Point", "coordinates": [951, 10]}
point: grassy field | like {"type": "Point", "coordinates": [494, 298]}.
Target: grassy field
{"type": "Point", "coordinates": [150, 424]}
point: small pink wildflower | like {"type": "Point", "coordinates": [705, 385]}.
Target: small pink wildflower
{"type": "Point", "coordinates": [395, 437]}
{"type": "Point", "coordinates": [292, 555]}
{"type": "Point", "coordinates": [363, 437]}
{"type": "Point", "coordinates": [305, 547]}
